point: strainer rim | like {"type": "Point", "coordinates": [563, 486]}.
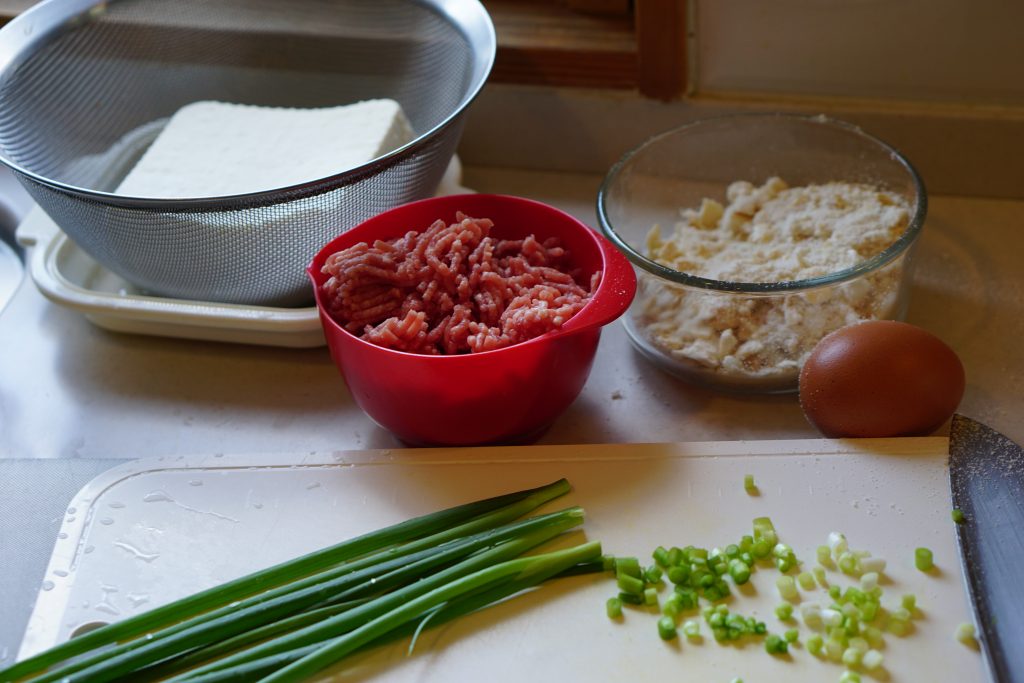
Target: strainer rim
{"type": "Point", "coordinates": [482, 69]}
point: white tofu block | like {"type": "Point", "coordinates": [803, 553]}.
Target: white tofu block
{"type": "Point", "coordinates": [211, 149]}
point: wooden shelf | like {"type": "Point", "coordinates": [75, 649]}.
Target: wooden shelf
{"type": "Point", "coordinates": [546, 42]}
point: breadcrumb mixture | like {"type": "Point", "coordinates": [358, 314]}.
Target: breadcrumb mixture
{"type": "Point", "coordinates": [771, 233]}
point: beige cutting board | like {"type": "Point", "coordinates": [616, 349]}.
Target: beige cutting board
{"type": "Point", "coordinates": [157, 529]}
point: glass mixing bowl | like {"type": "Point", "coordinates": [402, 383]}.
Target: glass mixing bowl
{"type": "Point", "coordinates": [752, 336]}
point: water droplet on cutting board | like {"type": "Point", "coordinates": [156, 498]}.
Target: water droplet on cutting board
{"type": "Point", "coordinates": [314, 485]}
{"type": "Point", "coordinates": [107, 608]}
{"type": "Point", "coordinates": [105, 605]}
{"type": "Point", "coordinates": [162, 497]}
{"type": "Point", "coordinates": [47, 585]}
{"type": "Point", "coordinates": [89, 549]}
{"type": "Point", "coordinates": [137, 599]}
{"type": "Point", "coordinates": [140, 554]}
{"type": "Point", "coordinates": [70, 519]}
{"type": "Point", "coordinates": [72, 511]}
{"type": "Point", "coordinates": [59, 572]}
{"type": "Point", "coordinates": [195, 482]}
{"type": "Point", "coordinates": [117, 505]}
{"type": "Point", "coordinates": [106, 521]}
{"type": "Point", "coordinates": [62, 535]}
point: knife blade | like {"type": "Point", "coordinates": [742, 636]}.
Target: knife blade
{"type": "Point", "coordinates": [986, 480]}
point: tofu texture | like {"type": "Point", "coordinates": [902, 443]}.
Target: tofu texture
{"type": "Point", "coordinates": [211, 149]}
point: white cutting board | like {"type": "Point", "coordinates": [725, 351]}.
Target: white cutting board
{"type": "Point", "coordinates": [157, 529]}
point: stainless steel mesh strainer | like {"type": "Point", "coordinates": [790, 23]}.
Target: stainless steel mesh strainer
{"type": "Point", "coordinates": [86, 86]}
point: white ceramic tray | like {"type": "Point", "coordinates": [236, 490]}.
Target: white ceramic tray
{"type": "Point", "coordinates": [69, 277]}
{"type": "Point", "coordinates": [153, 530]}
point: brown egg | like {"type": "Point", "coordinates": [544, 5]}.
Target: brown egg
{"type": "Point", "coordinates": [880, 378]}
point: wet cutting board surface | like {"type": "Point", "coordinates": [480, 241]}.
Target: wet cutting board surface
{"type": "Point", "coordinates": [157, 529]}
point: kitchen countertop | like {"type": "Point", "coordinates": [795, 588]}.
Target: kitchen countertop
{"type": "Point", "coordinates": [71, 390]}
{"type": "Point", "coordinates": [74, 392]}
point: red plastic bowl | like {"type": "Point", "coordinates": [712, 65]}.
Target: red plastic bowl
{"type": "Point", "coordinates": [508, 395]}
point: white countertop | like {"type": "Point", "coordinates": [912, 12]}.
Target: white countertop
{"type": "Point", "coordinates": [71, 390]}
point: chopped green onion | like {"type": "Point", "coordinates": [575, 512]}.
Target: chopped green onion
{"type": "Point", "coordinates": [775, 645]}
{"type": "Point", "coordinates": [791, 635]}
{"type": "Point", "coordinates": [673, 606]}
{"type": "Point", "coordinates": [814, 644]}
{"type": "Point", "coordinates": [869, 581]}
{"type": "Point", "coordinates": [739, 571]}
{"type": "Point", "coordinates": [849, 563]}
{"type": "Point", "coordinates": [614, 608]}
{"type": "Point", "coordinates": [871, 660]}
{"type": "Point", "coordinates": [661, 556]}
{"type": "Point", "coordinates": [859, 644]}
{"type": "Point", "coordinates": [628, 566]}
{"type": "Point", "coordinates": [691, 628]}
{"type": "Point", "coordinates": [650, 596]}
{"type": "Point", "coordinates": [901, 614]}
{"type": "Point", "coordinates": [787, 588]}
{"type": "Point", "coordinates": [806, 580]}
{"type": "Point", "coordinates": [909, 602]}
{"type": "Point", "coordinates": [965, 633]}
{"type": "Point", "coordinates": [819, 576]}
{"type": "Point", "coordinates": [958, 515]}
{"type": "Point", "coordinates": [811, 615]}
{"type": "Point", "coordinates": [872, 564]}
{"type": "Point", "coordinates": [653, 574]}
{"type": "Point", "coordinates": [874, 636]}
{"type": "Point", "coordinates": [630, 584]}
{"type": "Point", "coordinates": [824, 556]}
{"type": "Point", "coordinates": [923, 559]}
{"type": "Point", "coordinates": [749, 485]}
{"type": "Point", "coordinates": [764, 530]}
{"type": "Point", "coordinates": [679, 574]}
{"type": "Point", "coordinates": [834, 650]}
{"type": "Point", "coordinates": [631, 598]}
{"type": "Point", "coordinates": [837, 544]}
{"type": "Point", "coordinates": [667, 628]}
{"type": "Point", "coordinates": [898, 628]}
{"type": "Point", "coordinates": [784, 611]}
{"type": "Point", "coordinates": [761, 549]}
{"type": "Point", "coordinates": [831, 617]}
{"type": "Point", "coordinates": [849, 677]}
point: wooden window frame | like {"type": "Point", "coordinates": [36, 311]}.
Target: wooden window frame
{"type": "Point", "coordinates": [575, 43]}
